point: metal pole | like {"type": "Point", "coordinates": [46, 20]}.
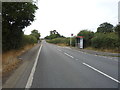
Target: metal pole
{"type": "Point", "coordinates": [70, 41]}
{"type": "Point", "coordinates": [75, 42]}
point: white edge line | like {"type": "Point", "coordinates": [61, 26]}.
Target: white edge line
{"type": "Point", "coordinates": [30, 79]}
{"type": "Point", "coordinates": [68, 55]}
{"type": "Point", "coordinates": [102, 73]}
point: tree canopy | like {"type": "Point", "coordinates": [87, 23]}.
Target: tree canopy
{"type": "Point", "coordinates": [88, 35]}
{"type": "Point", "coordinates": [54, 34]}
{"type": "Point", "coordinates": [15, 17]}
{"type": "Point", "coordinates": [105, 28]}
{"type": "Point", "coordinates": [117, 29]}
{"type": "Point", "coordinates": [36, 34]}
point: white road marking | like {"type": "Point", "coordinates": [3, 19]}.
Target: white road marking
{"type": "Point", "coordinates": [59, 50]}
{"type": "Point", "coordinates": [68, 55]}
{"type": "Point", "coordinates": [30, 79]}
{"type": "Point", "coordinates": [80, 51]}
{"type": "Point", "coordinates": [101, 73]}
{"type": "Point", "coordinates": [76, 59]}
{"type": "Point", "coordinates": [66, 47]}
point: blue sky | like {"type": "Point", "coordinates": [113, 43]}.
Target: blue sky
{"type": "Point", "coordinates": [71, 16]}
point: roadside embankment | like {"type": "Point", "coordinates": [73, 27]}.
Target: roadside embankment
{"type": "Point", "coordinates": [10, 61]}
{"type": "Point", "coordinates": [21, 74]}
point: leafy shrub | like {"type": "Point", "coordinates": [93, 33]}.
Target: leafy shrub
{"type": "Point", "coordinates": [65, 41]}
{"type": "Point", "coordinates": [73, 41]}
{"type": "Point", "coordinates": [88, 35]}
{"type": "Point", "coordinates": [108, 41]}
{"type": "Point", "coordinates": [117, 29]}
{"type": "Point", "coordinates": [29, 39]}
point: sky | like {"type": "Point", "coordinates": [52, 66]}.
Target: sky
{"type": "Point", "coordinates": [71, 16]}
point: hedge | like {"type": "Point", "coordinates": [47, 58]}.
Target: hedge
{"type": "Point", "coordinates": [108, 41]}
{"type": "Point", "coordinates": [28, 39]}
{"type": "Point", "coordinates": [65, 41]}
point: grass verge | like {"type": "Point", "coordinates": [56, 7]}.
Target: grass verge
{"type": "Point", "coordinates": [10, 62]}
{"type": "Point", "coordinates": [104, 50]}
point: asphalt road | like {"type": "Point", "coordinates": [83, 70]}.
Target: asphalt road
{"type": "Point", "coordinates": [63, 67]}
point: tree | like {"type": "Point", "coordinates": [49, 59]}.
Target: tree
{"type": "Point", "coordinates": [54, 34]}
{"type": "Point", "coordinates": [105, 28]}
{"type": "Point", "coordinates": [105, 41]}
{"type": "Point", "coordinates": [88, 35]}
{"type": "Point", "coordinates": [36, 34]}
{"type": "Point", "coordinates": [15, 17]}
{"type": "Point", "coordinates": [117, 29]}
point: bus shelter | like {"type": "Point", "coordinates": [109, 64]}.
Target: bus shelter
{"type": "Point", "coordinates": [79, 42]}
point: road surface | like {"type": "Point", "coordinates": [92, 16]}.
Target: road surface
{"type": "Point", "coordinates": [63, 67]}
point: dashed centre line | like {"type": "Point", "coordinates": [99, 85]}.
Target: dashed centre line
{"type": "Point", "coordinates": [68, 55]}
{"type": "Point", "coordinates": [59, 50]}
{"type": "Point", "coordinates": [93, 67]}
{"type": "Point", "coordinates": [101, 73]}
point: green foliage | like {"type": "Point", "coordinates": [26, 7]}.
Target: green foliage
{"type": "Point", "coordinates": [105, 28]}
{"type": "Point", "coordinates": [54, 34]}
{"type": "Point", "coordinates": [117, 29]}
{"type": "Point", "coordinates": [15, 17]}
{"type": "Point", "coordinates": [65, 41]}
{"type": "Point", "coordinates": [13, 40]}
{"type": "Point", "coordinates": [106, 37]}
{"type": "Point", "coordinates": [105, 41]}
{"type": "Point", "coordinates": [73, 41]}
{"type": "Point", "coordinates": [28, 39]}
{"type": "Point", "coordinates": [59, 41]}
{"type": "Point", "coordinates": [36, 34]}
{"type": "Point", "coordinates": [88, 35]}
{"type": "Point", "coordinates": [17, 14]}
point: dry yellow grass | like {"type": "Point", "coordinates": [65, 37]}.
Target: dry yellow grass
{"type": "Point", "coordinates": [62, 44]}
{"type": "Point", "coordinates": [10, 61]}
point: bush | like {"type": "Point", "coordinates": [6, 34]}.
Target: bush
{"type": "Point", "coordinates": [29, 39]}
{"type": "Point", "coordinates": [88, 35]}
{"type": "Point", "coordinates": [73, 41]}
{"type": "Point", "coordinates": [65, 41]}
{"type": "Point", "coordinates": [108, 41]}
{"type": "Point", "coordinates": [117, 29]}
